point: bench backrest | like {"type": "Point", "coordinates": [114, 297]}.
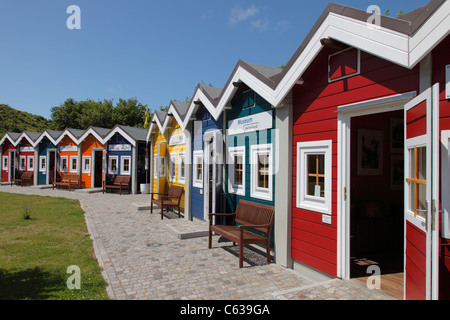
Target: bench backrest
{"type": "Point", "coordinates": [175, 193]}
{"type": "Point", "coordinates": [26, 175]}
{"type": "Point", "coordinates": [70, 177]}
{"type": "Point", "coordinates": [121, 179]}
{"type": "Point", "coordinates": [248, 212]}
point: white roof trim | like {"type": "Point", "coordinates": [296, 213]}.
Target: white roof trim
{"type": "Point", "coordinates": [118, 129]}
{"type": "Point", "coordinates": [49, 137]}
{"type": "Point", "coordinates": [94, 133]}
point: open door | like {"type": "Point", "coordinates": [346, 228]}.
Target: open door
{"type": "Point", "coordinates": [421, 196]}
{"type": "Point", "coordinates": [213, 169]}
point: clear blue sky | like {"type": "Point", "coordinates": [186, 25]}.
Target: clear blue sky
{"type": "Point", "coordinates": [154, 51]}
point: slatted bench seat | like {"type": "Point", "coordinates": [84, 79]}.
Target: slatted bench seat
{"type": "Point", "coordinates": [248, 218]}
{"type": "Point", "coordinates": [25, 178]}
{"type": "Point", "coordinates": [171, 199]}
{"type": "Point", "coordinates": [67, 180]}
{"type": "Point", "coordinates": [118, 182]}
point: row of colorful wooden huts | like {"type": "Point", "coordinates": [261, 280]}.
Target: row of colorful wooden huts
{"type": "Point", "coordinates": [350, 142]}
{"type": "Point", "coordinates": [95, 155]}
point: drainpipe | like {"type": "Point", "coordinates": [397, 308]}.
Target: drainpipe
{"type": "Point", "coordinates": [283, 183]}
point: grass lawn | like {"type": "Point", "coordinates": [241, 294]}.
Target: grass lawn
{"type": "Point", "coordinates": [35, 253]}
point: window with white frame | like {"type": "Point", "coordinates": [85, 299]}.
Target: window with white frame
{"type": "Point", "coordinates": [42, 163]}
{"type": "Point", "coordinates": [314, 176]}
{"type": "Point", "coordinates": [236, 170]}
{"type": "Point", "coordinates": [125, 165]}
{"type": "Point", "coordinates": [30, 163]}
{"type": "Point", "coordinates": [86, 164]}
{"type": "Point", "coordinates": [5, 163]}
{"type": "Point", "coordinates": [172, 167]}
{"type": "Point", "coordinates": [197, 180]}
{"type": "Point", "coordinates": [261, 178]}
{"type": "Point", "coordinates": [155, 166]}
{"type": "Point", "coordinates": [113, 165]}
{"type": "Point", "coordinates": [74, 164]}
{"type": "Point", "coordinates": [64, 164]}
{"type": "Point", "coordinates": [162, 166]}
{"type": "Point", "coordinates": [181, 167]}
{"type": "Point", "coordinates": [22, 163]}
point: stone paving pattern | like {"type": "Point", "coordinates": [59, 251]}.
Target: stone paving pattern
{"type": "Point", "coordinates": [142, 259]}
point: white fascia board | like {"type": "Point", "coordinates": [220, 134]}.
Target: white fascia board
{"type": "Point", "coordinates": [6, 136]}
{"type": "Point", "coordinates": [123, 133]}
{"type": "Point", "coordinates": [190, 111]}
{"type": "Point", "coordinates": [67, 133]}
{"type": "Point", "coordinates": [42, 136]}
{"type": "Point", "coordinates": [160, 125]}
{"type": "Point", "coordinates": [149, 132]}
{"type": "Point", "coordinates": [94, 133]}
{"type": "Point", "coordinates": [24, 135]}
{"type": "Point", "coordinates": [173, 112]}
{"type": "Point", "coordinates": [435, 29]}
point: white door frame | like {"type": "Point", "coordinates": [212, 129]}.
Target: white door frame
{"type": "Point", "coordinates": [11, 161]}
{"type": "Point", "coordinates": [345, 114]}
{"type": "Point", "coordinates": [47, 167]}
{"type": "Point", "coordinates": [208, 136]}
{"type": "Point", "coordinates": [93, 165]}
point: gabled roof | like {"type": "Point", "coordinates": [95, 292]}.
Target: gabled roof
{"type": "Point", "coordinates": [157, 122]}
{"type": "Point", "coordinates": [97, 132]}
{"type": "Point", "coordinates": [74, 134]}
{"type": "Point", "coordinates": [132, 134]}
{"type": "Point", "coordinates": [11, 136]}
{"type": "Point", "coordinates": [51, 135]}
{"type": "Point", "coordinates": [404, 41]}
{"type": "Point", "coordinates": [204, 95]}
{"type": "Point", "coordinates": [30, 136]}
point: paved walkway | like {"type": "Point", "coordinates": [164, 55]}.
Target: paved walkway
{"type": "Point", "coordinates": [142, 258]}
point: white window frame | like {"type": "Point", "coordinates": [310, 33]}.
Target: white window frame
{"type": "Point", "coordinates": [24, 166]}
{"type": "Point", "coordinates": [30, 163]}
{"type": "Point", "coordinates": [181, 155]}
{"type": "Point", "coordinates": [42, 163]}
{"type": "Point", "coordinates": [83, 169]}
{"type": "Point", "coordinates": [172, 167]}
{"type": "Point", "coordinates": [122, 165]}
{"type": "Point", "coordinates": [232, 187]}
{"type": "Point", "coordinates": [62, 158]}
{"type": "Point", "coordinates": [304, 200]}
{"type": "Point", "coordinates": [255, 191]}
{"type": "Point", "coordinates": [110, 170]}
{"type": "Point", "coordinates": [72, 158]}
{"type": "Point", "coordinates": [5, 164]}
{"type": "Point", "coordinates": [197, 159]}
{"type": "Point", "coordinates": [155, 166]}
{"type": "Point", "coordinates": [162, 166]}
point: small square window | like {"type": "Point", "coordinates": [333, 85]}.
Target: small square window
{"type": "Point", "coordinates": [314, 176]}
{"type": "Point", "coordinates": [64, 163]}
{"type": "Point", "coordinates": [172, 167]}
{"type": "Point", "coordinates": [181, 167]}
{"type": "Point", "coordinates": [236, 170]}
{"type": "Point", "coordinates": [198, 169]}
{"type": "Point", "coordinates": [125, 164]}
{"type": "Point", "coordinates": [86, 164]}
{"type": "Point", "coordinates": [113, 165]}
{"type": "Point", "coordinates": [5, 163]}
{"type": "Point", "coordinates": [73, 164]}
{"type": "Point", "coordinates": [42, 163]}
{"type": "Point", "coordinates": [261, 172]}
{"type": "Point", "coordinates": [22, 163]}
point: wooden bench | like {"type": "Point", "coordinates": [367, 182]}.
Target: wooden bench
{"type": "Point", "coordinates": [68, 180]}
{"type": "Point", "coordinates": [171, 199]}
{"type": "Point", "coordinates": [248, 218]}
{"type": "Point", "coordinates": [118, 182]}
{"type": "Point", "coordinates": [25, 178]}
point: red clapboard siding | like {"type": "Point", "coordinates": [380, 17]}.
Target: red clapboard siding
{"type": "Point", "coordinates": [416, 120]}
{"type": "Point", "coordinates": [415, 266]}
{"type": "Point", "coordinates": [314, 262]}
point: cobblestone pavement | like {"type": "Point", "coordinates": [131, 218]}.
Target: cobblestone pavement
{"type": "Point", "coordinates": [142, 259]}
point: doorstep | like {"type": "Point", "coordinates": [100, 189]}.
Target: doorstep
{"type": "Point", "coordinates": [186, 229]}
{"type": "Point", "coordinates": [89, 190]}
